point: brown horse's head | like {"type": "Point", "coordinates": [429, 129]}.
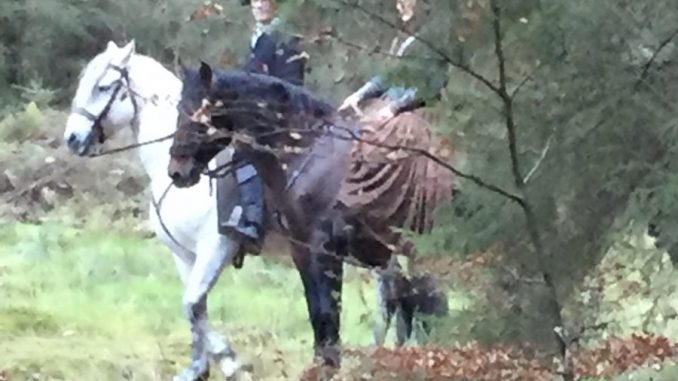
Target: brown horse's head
{"type": "Point", "coordinates": [196, 141]}
{"type": "Point", "coordinates": [215, 106]}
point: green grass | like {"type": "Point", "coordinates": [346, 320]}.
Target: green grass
{"type": "Point", "coordinates": [94, 305]}
{"type": "Point", "coordinates": [103, 304]}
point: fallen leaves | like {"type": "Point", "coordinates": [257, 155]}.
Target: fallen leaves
{"type": "Point", "coordinates": [501, 363]}
{"type": "Point", "coordinates": [618, 355]}
{"type": "Point", "coordinates": [471, 361]}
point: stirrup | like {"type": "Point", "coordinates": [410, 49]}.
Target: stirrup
{"type": "Point", "coordinates": [239, 258]}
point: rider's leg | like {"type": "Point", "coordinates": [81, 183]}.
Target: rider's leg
{"type": "Point", "coordinates": [247, 217]}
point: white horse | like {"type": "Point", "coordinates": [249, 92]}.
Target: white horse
{"type": "Point", "coordinates": [121, 88]}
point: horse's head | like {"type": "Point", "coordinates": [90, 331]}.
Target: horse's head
{"type": "Point", "coordinates": [256, 108]}
{"type": "Point", "coordinates": [103, 102]}
{"type": "Point", "coordinates": [194, 142]}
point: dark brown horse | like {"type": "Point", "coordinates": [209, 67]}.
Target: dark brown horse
{"type": "Point", "coordinates": [334, 196]}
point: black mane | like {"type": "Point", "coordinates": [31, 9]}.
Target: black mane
{"type": "Point", "coordinates": [250, 87]}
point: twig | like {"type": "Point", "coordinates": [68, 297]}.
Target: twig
{"type": "Point", "coordinates": [544, 152]}
{"type": "Point", "coordinates": [381, 52]}
{"type": "Point", "coordinates": [514, 274]}
{"type": "Point", "coordinates": [522, 83]}
{"type": "Point", "coordinates": [132, 146]}
{"type": "Point", "coordinates": [661, 46]}
{"type": "Point", "coordinates": [504, 95]}
{"type": "Point", "coordinates": [473, 178]}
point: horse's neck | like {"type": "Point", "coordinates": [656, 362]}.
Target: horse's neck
{"type": "Point", "coordinates": [158, 92]}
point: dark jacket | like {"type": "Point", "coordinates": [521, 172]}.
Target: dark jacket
{"type": "Point", "coordinates": [278, 53]}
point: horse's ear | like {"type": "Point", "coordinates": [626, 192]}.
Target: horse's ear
{"type": "Point", "coordinates": [111, 46]}
{"type": "Point", "coordinates": [205, 75]}
{"type": "Point", "coordinates": [128, 51]}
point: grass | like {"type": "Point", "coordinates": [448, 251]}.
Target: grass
{"type": "Point", "coordinates": [103, 304]}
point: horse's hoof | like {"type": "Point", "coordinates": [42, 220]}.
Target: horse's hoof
{"type": "Point", "coordinates": [329, 356]}
{"type": "Point", "coordinates": [193, 374]}
{"type": "Point", "coordinates": [241, 375]}
{"type": "Point", "coordinates": [233, 370]}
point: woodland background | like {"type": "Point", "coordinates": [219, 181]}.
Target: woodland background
{"type": "Point", "coordinates": [579, 130]}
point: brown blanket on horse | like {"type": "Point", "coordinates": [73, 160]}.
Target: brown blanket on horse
{"type": "Point", "coordinates": [401, 188]}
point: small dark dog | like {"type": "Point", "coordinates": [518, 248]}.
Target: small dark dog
{"type": "Point", "coordinates": [406, 298]}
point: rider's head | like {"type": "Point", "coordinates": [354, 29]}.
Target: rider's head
{"type": "Point", "coordinates": [406, 9]}
{"type": "Point", "coordinates": [264, 10]}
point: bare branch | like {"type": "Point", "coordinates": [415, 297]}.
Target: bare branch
{"type": "Point", "coordinates": [379, 51]}
{"type": "Point", "coordinates": [531, 223]}
{"type": "Point", "coordinates": [516, 277]}
{"type": "Point", "coordinates": [353, 136]}
{"type": "Point", "coordinates": [503, 93]}
{"type": "Point", "coordinates": [473, 178]}
{"type": "Point", "coordinates": [661, 46]}
{"type": "Point", "coordinates": [527, 78]}
{"type": "Point", "coordinates": [440, 52]}
{"type": "Point", "coordinates": [544, 152]}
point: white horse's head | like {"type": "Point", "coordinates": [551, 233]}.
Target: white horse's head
{"type": "Point", "coordinates": [103, 103]}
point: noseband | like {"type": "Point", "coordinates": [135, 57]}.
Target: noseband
{"type": "Point", "coordinates": [118, 84]}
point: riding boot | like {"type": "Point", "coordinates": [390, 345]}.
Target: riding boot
{"type": "Point", "coordinates": [247, 217]}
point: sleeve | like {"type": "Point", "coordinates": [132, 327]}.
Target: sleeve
{"type": "Point", "coordinates": [290, 61]}
{"type": "Point", "coordinates": [427, 74]}
{"type": "Point", "coordinates": [278, 52]}
{"type": "Point", "coordinates": [262, 55]}
{"type": "Point", "coordinates": [409, 81]}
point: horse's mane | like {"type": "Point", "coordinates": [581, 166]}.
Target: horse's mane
{"type": "Point", "coordinates": [267, 89]}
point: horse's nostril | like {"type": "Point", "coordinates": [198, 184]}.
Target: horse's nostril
{"type": "Point", "coordinates": [174, 175]}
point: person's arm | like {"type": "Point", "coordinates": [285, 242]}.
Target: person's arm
{"type": "Point", "coordinates": [262, 55]}
{"type": "Point", "coordinates": [291, 64]}
{"type": "Point", "coordinates": [371, 89]}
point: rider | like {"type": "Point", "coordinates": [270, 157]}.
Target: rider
{"type": "Point", "coordinates": [273, 51]}
{"type": "Point", "coordinates": [407, 82]}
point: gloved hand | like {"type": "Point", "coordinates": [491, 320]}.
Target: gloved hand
{"type": "Point", "coordinates": [352, 102]}
{"type": "Point", "coordinates": [386, 112]}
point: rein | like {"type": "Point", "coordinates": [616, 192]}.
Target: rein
{"type": "Point", "coordinates": [97, 119]}
{"type": "Point", "coordinates": [156, 206]}
{"type": "Point", "coordinates": [98, 129]}
{"type": "Point", "coordinates": [132, 146]}
{"type": "Point", "coordinates": [123, 80]}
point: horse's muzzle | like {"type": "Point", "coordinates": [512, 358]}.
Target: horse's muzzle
{"type": "Point", "coordinates": [78, 146]}
{"type": "Point", "coordinates": [183, 172]}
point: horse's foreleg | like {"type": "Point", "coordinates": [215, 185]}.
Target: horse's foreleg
{"type": "Point", "coordinates": [322, 278]}
{"type": "Point", "coordinates": [385, 309]}
{"type": "Point", "coordinates": [211, 257]}
{"type": "Point", "coordinates": [331, 274]}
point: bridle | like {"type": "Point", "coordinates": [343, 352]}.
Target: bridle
{"type": "Point", "coordinates": [118, 84]}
